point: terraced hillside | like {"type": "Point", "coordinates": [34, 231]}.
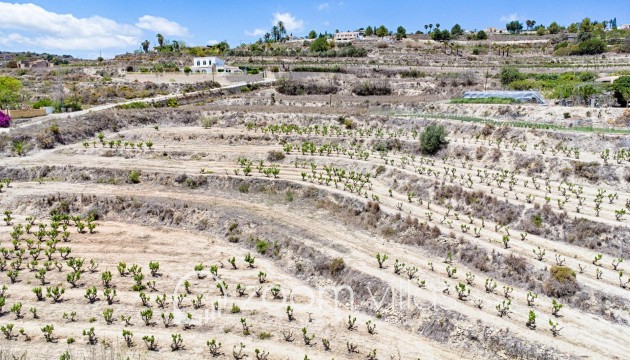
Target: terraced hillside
{"type": "Point", "coordinates": [314, 236]}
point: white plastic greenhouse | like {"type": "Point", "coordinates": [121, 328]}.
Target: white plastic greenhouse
{"type": "Point", "coordinates": [521, 96]}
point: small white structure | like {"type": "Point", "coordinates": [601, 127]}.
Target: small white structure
{"type": "Point", "coordinates": [624, 27]}
{"type": "Point", "coordinates": [347, 36]}
{"type": "Point", "coordinates": [207, 65]}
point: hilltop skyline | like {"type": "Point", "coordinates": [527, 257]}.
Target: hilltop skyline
{"type": "Point", "coordinates": [87, 29]}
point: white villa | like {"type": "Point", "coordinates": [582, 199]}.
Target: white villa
{"type": "Point", "coordinates": [207, 65]}
{"type": "Point", "coordinates": [347, 36]}
{"type": "Point", "coordinates": [212, 64]}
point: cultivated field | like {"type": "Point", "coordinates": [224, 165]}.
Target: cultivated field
{"type": "Point", "coordinates": [313, 235]}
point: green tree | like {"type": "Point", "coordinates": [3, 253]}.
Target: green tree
{"type": "Point", "coordinates": [401, 33]}
{"type": "Point", "coordinates": [282, 29]}
{"type": "Point", "coordinates": [573, 28]}
{"type": "Point", "coordinates": [160, 39]}
{"type": "Point", "coordinates": [553, 28]}
{"type": "Point", "coordinates": [319, 45]}
{"type": "Point", "coordinates": [586, 25]}
{"type": "Point", "coordinates": [622, 90]}
{"type": "Point", "coordinates": [438, 35]}
{"type": "Point", "coordinates": [591, 46]}
{"type": "Point", "coordinates": [369, 31]}
{"type": "Point", "coordinates": [456, 30]}
{"type": "Point", "coordinates": [145, 46]}
{"type": "Point", "coordinates": [585, 91]}
{"type": "Point", "coordinates": [481, 35]}
{"type": "Point", "coordinates": [514, 27]}
{"type": "Point", "coordinates": [9, 91]}
{"type": "Point", "coordinates": [432, 139]}
{"type": "Point", "coordinates": [381, 31]}
{"type": "Point", "coordinates": [509, 75]}
{"type": "Point", "coordinates": [312, 34]}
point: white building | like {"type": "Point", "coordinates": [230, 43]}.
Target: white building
{"type": "Point", "coordinates": [624, 27]}
{"type": "Point", "coordinates": [207, 65]}
{"type": "Point", "coordinates": [347, 36]}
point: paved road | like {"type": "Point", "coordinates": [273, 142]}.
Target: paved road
{"type": "Point", "coordinates": [43, 119]}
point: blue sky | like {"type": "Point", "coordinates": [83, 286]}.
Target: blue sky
{"type": "Point", "coordinates": [87, 28]}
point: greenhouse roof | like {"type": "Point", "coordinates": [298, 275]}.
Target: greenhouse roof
{"type": "Point", "coordinates": [523, 96]}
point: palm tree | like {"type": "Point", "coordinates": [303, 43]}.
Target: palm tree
{"type": "Point", "coordinates": [430, 27]}
{"type": "Point", "coordinates": [282, 29]}
{"type": "Point", "coordinates": [529, 24]}
{"type": "Point", "coordinates": [267, 36]}
{"type": "Point", "coordinates": [275, 33]}
{"type": "Point", "coordinates": [145, 45]}
{"type": "Point", "coordinates": [437, 26]}
{"type": "Point", "coordinates": [426, 26]}
{"type": "Point", "coordinates": [533, 23]}
{"type": "Point", "coordinates": [160, 39]}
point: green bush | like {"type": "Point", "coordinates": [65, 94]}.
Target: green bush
{"type": "Point", "coordinates": [134, 177]}
{"type": "Point", "coordinates": [336, 266]}
{"type": "Point", "coordinates": [134, 105]}
{"type": "Point", "coordinates": [432, 139]}
{"type": "Point", "coordinates": [509, 75]}
{"type": "Point", "coordinates": [244, 188]}
{"type": "Point", "coordinates": [591, 46]}
{"type": "Point", "coordinates": [320, 44]}
{"type": "Point", "coordinates": [562, 273]}
{"type": "Point", "coordinates": [172, 102]}
{"type": "Point", "coordinates": [44, 102]}
{"type": "Point", "coordinates": [622, 90]}
{"type": "Point", "coordinates": [262, 246]}
{"type": "Point", "coordinates": [367, 88]}
{"type": "Point", "coordinates": [333, 69]}
{"type": "Point", "coordinates": [525, 84]}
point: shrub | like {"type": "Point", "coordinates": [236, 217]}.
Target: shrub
{"type": "Point", "coordinates": [621, 86]}
{"type": "Point", "coordinates": [561, 282]}
{"type": "Point", "coordinates": [509, 75]}
{"type": "Point", "coordinates": [432, 139]}
{"type": "Point", "coordinates": [261, 246]}
{"type": "Point", "coordinates": [207, 122]}
{"type": "Point", "coordinates": [591, 46]}
{"type": "Point", "coordinates": [43, 102]}
{"type": "Point", "coordinates": [367, 88]}
{"type": "Point", "coordinates": [135, 105]}
{"type": "Point", "coordinates": [134, 177]}
{"type": "Point", "coordinates": [292, 87]}
{"type": "Point", "coordinates": [336, 266]}
{"type": "Point", "coordinates": [320, 44]}
{"type": "Point", "coordinates": [275, 155]}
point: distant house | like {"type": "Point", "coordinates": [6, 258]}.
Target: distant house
{"type": "Point", "coordinates": [493, 30]}
{"type": "Point", "coordinates": [347, 36]}
{"type": "Point", "coordinates": [34, 64]}
{"type": "Point", "coordinates": [207, 64]}
{"type": "Point", "coordinates": [212, 64]}
{"type": "Point", "coordinates": [625, 27]}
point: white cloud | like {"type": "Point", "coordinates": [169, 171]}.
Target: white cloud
{"type": "Point", "coordinates": [63, 31]}
{"type": "Point", "coordinates": [213, 42]}
{"type": "Point", "coordinates": [511, 17]}
{"type": "Point", "coordinates": [161, 25]}
{"type": "Point", "coordinates": [255, 32]}
{"type": "Point", "coordinates": [323, 6]}
{"type": "Point", "coordinates": [326, 23]}
{"type": "Point", "coordinates": [290, 22]}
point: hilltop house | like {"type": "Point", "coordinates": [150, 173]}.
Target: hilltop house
{"type": "Point", "coordinates": [347, 36]}
{"type": "Point", "coordinates": [212, 64]}
{"type": "Point", "coordinates": [207, 64]}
